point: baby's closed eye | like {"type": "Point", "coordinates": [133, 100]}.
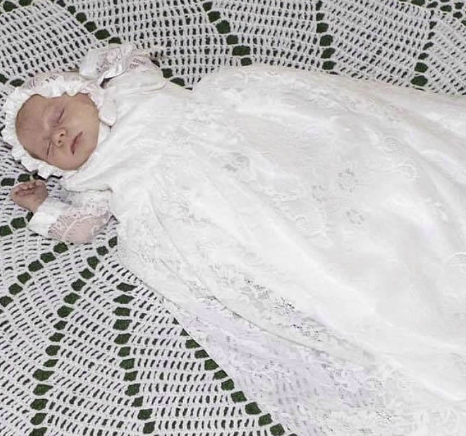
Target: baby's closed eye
{"type": "Point", "coordinates": [59, 115]}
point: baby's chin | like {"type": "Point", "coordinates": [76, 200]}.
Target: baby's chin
{"type": "Point", "coordinates": [72, 166]}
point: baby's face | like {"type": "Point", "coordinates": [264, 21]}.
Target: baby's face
{"type": "Point", "coordinates": [62, 131]}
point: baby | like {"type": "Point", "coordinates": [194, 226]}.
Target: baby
{"type": "Point", "coordinates": [294, 199]}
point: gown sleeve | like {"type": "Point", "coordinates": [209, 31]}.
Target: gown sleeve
{"type": "Point", "coordinates": [77, 219]}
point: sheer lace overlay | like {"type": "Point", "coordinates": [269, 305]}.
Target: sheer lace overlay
{"type": "Point", "coordinates": [78, 219]}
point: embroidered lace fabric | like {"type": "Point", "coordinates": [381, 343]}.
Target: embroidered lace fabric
{"type": "Point", "coordinates": [309, 230]}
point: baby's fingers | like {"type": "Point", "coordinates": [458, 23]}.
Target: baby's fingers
{"type": "Point", "coordinates": [18, 189]}
{"type": "Point", "coordinates": [23, 188]}
{"type": "Point", "coordinates": [35, 184]}
{"type": "Point", "coordinates": [18, 192]}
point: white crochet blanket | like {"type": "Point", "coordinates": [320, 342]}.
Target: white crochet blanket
{"type": "Point", "coordinates": [85, 347]}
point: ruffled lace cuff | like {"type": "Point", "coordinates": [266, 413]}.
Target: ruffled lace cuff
{"type": "Point", "coordinates": [78, 220]}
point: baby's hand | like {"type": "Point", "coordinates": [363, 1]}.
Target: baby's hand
{"type": "Point", "coordinates": [30, 195]}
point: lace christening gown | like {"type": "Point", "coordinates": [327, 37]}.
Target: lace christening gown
{"type": "Point", "coordinates": [308, 230]}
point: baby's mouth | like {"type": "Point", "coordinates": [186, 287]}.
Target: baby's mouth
{"type": "Point", "coordinates": [75, 142]}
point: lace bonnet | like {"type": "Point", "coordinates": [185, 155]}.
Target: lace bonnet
{"type": "Point", "coordinates": [96, 66]}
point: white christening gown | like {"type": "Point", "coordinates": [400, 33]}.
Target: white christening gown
{"type": "Point", "coordinates": [309, 231]}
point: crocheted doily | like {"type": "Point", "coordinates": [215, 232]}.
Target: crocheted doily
{"type": "Point", "coordinates": [86, 348]}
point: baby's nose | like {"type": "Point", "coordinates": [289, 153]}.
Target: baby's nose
{"type": "Point", "coordinates": [58, 137]}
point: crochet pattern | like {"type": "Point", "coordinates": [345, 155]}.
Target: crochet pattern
{"type": "Point", "coordinates": [86, 348]}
